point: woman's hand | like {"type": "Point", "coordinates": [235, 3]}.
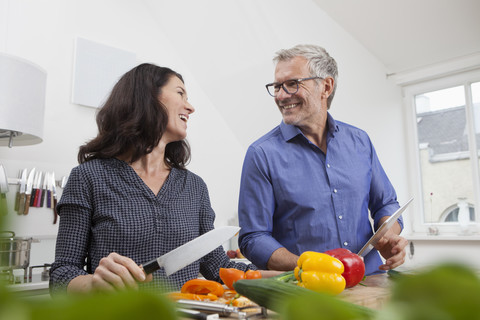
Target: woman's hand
{"type": "Point", "coordinates": [114, 272]}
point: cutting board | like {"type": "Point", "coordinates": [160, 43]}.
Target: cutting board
{"type": "Point", "coordinates": [374, 292]}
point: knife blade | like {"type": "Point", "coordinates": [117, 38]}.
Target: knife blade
{"type": "Point", "coordinates": [193, 314]}
{"type": "Point", "coordinates": [224, 310]}
{"type": "Point", "coordinates": [28, 190]}
{"type": "Point", "coordinates": [21, 192]}
{"type": "Point", "coordinates": [191, 251]}
{"type": "Point", "coordinates": [3, 190]}
{"type": "Point", "coordinates": [54, 196]}
{"type": "Point", "coordinates": [382, 230]}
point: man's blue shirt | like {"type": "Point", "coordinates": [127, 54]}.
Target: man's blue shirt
{"type": "Point", "coordinates": [293, 195]}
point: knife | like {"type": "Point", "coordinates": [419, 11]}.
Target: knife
{"type": "Point", "coordinates": [191, 251]}
{"type": "Point", "coordinates": [193, 314]}
{"type": "Point", "coordinates": [382, 230]}
{"type": "Point", "coordinates": [38, 193]}
{"type": "Point", "coordinates": [54, 196]}
{"type": "Point", "coordinates": [3, 190]}
{"type": "Point", "coordinates": [21, 192]}
{"type": "Point", "coordinates": [43, 193]}
{"type": "Point", "coordinates": [49, 190]}
{"type": "Point", "coordinates": [34, 190]}
{"type": "Point", "coordinates": [223, 310]}
{"type": "Point", "coordinates": [28, 190]}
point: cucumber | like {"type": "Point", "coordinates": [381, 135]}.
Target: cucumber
{"type": "Point", "coordinates": [268, 292]}
{"type": "Point", "coordinates": [281, 297]}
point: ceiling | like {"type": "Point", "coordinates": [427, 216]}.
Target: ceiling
{"type": "Point", "coordinates": [409, 34]}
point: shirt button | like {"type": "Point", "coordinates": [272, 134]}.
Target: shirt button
{"type": "Point", "coordinates": [328, 165]}
{"type": "Point", "coordinates": [345, 243]}
{"type": "Point", "coordinates": [334, 190]}
{"type": "Point", "coordinates": [340, 217]}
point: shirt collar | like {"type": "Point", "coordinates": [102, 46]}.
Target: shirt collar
{"type": "Point", "coordinates": [290, 131]}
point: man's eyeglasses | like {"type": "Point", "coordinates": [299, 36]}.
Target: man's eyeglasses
{"type": "Point", "coordinates": [290, 86]}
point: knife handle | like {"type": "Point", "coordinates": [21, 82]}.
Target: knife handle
{"type": "Point", "coordinates": [49, 199]}
{"type": "Point", "coordinates": [38, 198]}
{"type": "Point", "coordinates": [151, 266]}
{"type": "Point", "coordinates": [21, 204]}
{"type": "Point", "coordinates": [17, 201]}
{"type": "Point", "coordinates": [31, 198]}
{"type": "Point", "coordinates": [28, 198]}
{"type": "Point", "coordinates": [43, 194]}
{"type": "Point", "coordinates": [55, 215]}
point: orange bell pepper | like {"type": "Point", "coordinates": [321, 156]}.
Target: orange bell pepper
{"type": "Point", "coordinates": [202, 286]}
{"type": "Point", "coordinates": [231, 275]}
{"type": "Point", "coordinates": [253, 274]}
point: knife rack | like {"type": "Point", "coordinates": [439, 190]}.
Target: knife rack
{"type": "Point", "coordinates": [59, 183]}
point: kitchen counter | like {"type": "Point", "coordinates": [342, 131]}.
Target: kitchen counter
{"type": "Point", "coordinates": [29, 289]}
{"type": "Point", "coordinates": [374, 293]}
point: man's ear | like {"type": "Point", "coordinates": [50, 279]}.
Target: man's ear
{"type": "Point", "coordinates": [328, 84]}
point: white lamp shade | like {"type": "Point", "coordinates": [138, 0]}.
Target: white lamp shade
{"type": "Point", "coordinates": [22, 100]}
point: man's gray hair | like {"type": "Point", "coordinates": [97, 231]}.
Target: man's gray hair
{"type": "Point", "coordinates": [320, 63]}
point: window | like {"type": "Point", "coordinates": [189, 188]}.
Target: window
{"type": "Point", "coordinates": [445, 132]}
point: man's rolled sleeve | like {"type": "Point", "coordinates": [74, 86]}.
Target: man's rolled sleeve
{"type": "Point", "coordinates": [255, 211]}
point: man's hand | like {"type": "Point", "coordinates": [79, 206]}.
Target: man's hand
{"type": "Point", "coordinates": [392, 247]}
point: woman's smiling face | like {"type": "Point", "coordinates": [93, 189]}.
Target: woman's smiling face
{"type": "Point", "coordinates": [174, 97]}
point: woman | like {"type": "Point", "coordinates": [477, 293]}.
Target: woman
{"type": "Point", "coordinates": [131, 199]}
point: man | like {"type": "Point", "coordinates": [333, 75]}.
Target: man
{"type": "Point", "coordinates": [308, 184]}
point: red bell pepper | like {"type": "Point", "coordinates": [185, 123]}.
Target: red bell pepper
{"type": "Point", "coordinates": [352, 263]}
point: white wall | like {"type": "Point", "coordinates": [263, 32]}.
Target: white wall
{"type": "Point", "coordinates": [223, 48]}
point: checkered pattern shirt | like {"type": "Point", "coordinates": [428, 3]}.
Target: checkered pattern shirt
{"type": "Point", "coordinates": [106, 207]}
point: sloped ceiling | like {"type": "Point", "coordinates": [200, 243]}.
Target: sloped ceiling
{"type": "Point", "coordinates": [410, 34]}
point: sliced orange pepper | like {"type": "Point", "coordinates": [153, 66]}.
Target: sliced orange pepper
{"type": "Point", "coordinates": [191, 296]}
{"type": "Point", "coordinates": [202, 286]}
{"type": "Point", "coordinates": [231, 275]}
{"type": "Point", "coordinates": [229, 294]}
{"type": "Point", "coordinates": [253, 274]}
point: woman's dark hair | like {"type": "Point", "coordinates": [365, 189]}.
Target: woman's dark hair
{"type": "Point", "coordinates": [133, 120]}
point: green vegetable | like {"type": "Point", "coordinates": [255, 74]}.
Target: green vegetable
{"type": "Point", "coordinates": [290, 300]}
{"type": "Point", "coordinates": [444, 292]}
{"type": "Point", "coordinates": [126, 305]}
{"type": "Point", "coordinates": [288, 277]}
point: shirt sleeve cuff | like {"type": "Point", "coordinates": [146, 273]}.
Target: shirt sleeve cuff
{"type": "Point", "coordinates": [387, 211]}
{"type": "Point", "coordinates": [261, 249]}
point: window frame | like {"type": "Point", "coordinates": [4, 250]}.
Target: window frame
{"type": "Point", "coordinates": [409, 91]}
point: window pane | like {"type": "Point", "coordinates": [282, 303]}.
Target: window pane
{"type": "Point", "coordinates": [444, 153]}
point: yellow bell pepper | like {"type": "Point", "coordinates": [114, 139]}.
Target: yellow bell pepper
{"type": "Point", "coordinates": [320, 272]}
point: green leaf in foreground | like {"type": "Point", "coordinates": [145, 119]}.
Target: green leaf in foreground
{"type": "Point", "coordinates": [126, 305]}
{"type": "Point", "coordinates": [443, 292]}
